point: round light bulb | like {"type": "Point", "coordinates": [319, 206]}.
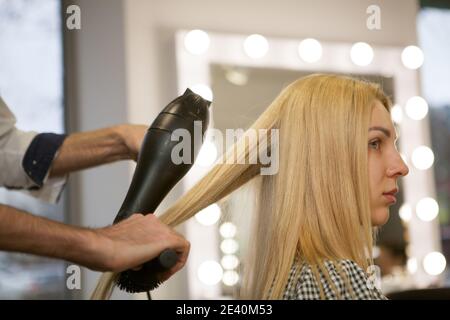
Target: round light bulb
{"type": "Point", "coordinates": [416, 108]}
{"type": "Point", "coordinates": [229, 246]}
{"type": "Point", "coordinates": [209, 216]}
{"type": "Point", "coordinates": [411, 265]}
{"type": "Point", "coordinates": [196, 42]}
{"type": "Point", "coordinates": [412, 57]}
{"type": "Point", "coordinates": [427, 209]}
{"type": "Point", "coordinates": [230, 278]}
{"type": "Point", "coordinates": [207, 155]}
{"type": "Point", "coordinates": [434, 263]}
{"type": "Point", "coordinates": [203, 90]}
{"type": "Point", "coordinates": [256, 46]}
{"type": "Point", "coordinates": [422, 158]}
{"type": "Point", "coordinates": [236, 77]}
{"type": "Point", "coordinates": [361, 54]}
{"type": "Point", "coordinates": [397, 114]}
{"type": "Point", "coordinates": [310, 50]}
{"type": "Point", "coordinates": [227, 230]}
{"type": "Point", "coordinates": [210, 272]}
{"type": "Point", "coordinates": [405, 212]}
{"type": "Point", "coordinates": [229, 262]}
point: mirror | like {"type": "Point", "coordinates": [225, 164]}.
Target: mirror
{"type": "Point", "coordinates": [242, 85]}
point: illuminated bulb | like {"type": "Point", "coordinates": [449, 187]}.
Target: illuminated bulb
{"type": "Point", "coordinates": [412, 57]}
{"type": "Point", "coordinates": [207, 155]}
{"type": "Point", "coordinates": [228, 230]}
{"type": "Point", "coordinates": [361, 54]}
{"type": "Point", "coordinates": [434, 263]}
{"type": "Point", "coordinates": [416, 108]}
{"type": "Point", "coordinates": [310, 50]}
{"type": "Point", "coordinates": [209, 216]}
{"type": "Point", "coordinates": [405, 212]}
{"type": "Point", "coordinates": [196, 42]}
{"type": "Point", "coordinates": [229, 246]}
{"type": "Point", "coordinates": [230, 278]}
{"type": "Point", "coordinates": [397, 114]}
{"type": "Point", "coordinates": [210, 272]}
{"type": "Point", "coordinates": [427, 209]}
{"type": "Point", "coordinates": [256, 46]}
{"type": "Point", "coordinates": [204, 91]}
{"type": "Point", "coordinates": [229, 262]}
{"type": "Point", "coordinates": [422, 158]}
{"type": "Point", "coordinates": [411, 265]}
{"type": "Point", "coordinates": [236, 77]}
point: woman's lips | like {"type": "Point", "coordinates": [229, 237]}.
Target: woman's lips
{"type": "Point", "coordinates": [390, 198]}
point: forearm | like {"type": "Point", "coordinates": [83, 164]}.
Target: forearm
{"type": "Point", "coordinates": [88, 149]}
{"type": "Point", "coordinates": [23, 232]}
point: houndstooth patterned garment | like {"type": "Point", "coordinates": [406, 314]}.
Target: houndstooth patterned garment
{"type": "Point", "coordinates": [305, 287]}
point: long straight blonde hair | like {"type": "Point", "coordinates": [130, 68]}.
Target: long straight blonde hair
{"type": "Point", "coordinates": [316, 208]}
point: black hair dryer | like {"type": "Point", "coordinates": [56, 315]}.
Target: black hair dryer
{"type": "Point", "coordinates": [157, 173]}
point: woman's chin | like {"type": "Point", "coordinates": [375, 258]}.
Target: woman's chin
{"type": "Point", "coordinates": [380, 217]}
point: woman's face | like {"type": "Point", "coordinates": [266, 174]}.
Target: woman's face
{"type": "Point", "coordinates": [385, 164]}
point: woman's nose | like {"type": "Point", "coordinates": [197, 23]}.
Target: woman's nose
{"type": "Point", "coordinates": [398, 167]}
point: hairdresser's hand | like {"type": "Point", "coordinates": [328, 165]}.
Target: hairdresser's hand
{"type": "Point", "coordinates": [136, 240]}
{"type": "Point", "coordinates": [132, 137]}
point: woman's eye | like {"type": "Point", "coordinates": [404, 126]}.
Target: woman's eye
{"type": "Point", "coordinates": [374, 144]}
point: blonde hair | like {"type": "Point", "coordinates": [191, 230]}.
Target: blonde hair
{"type": "Point", "coordinates": [316, 207]}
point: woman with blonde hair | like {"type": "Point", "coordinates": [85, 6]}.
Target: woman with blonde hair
{"type": "Point", "coordinates": [313, 230]}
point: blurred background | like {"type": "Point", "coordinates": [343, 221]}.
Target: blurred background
{"type": "Point", "coordinates": [129, 58]}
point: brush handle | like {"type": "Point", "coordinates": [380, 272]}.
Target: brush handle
{"type": "Point", "coordinates": [168, 258]}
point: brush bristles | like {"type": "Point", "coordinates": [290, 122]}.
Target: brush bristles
{"type": "Point", "coordinates": [133, 282]}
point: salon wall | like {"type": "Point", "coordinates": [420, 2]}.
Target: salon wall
{"type": "Point", "coordinates": [125, 69]}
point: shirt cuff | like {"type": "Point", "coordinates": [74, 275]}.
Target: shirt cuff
{"type": "Point", "coordinates": [40, 155]}
{"type": "Point", "coordinates": [51, 191]}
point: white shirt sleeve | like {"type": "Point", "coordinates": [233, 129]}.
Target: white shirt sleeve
{"type": "Point", "coordinates": [14, 144]}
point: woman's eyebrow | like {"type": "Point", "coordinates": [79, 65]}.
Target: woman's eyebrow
{"type": "Point", "coordinates": [384, 130]}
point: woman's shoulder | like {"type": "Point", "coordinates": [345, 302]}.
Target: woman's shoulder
{"type": "Point", "coordinates": [345, 279]}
